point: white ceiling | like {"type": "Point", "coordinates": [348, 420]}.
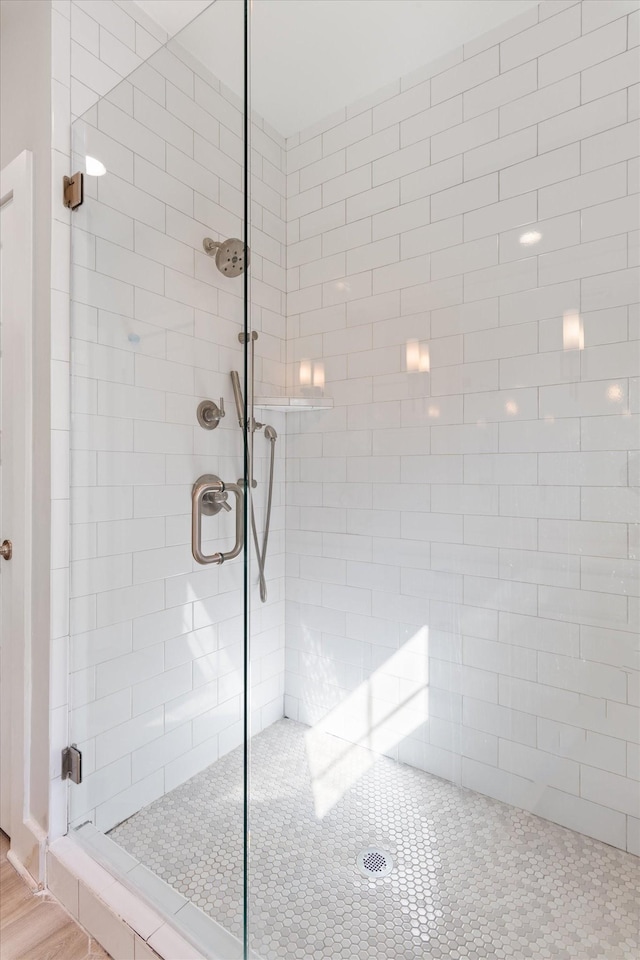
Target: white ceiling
{"type": "Point", "coordinates": [311, 57]}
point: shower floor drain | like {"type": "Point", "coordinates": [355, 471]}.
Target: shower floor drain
{"type": "Point", "coordinates": [374, 862]}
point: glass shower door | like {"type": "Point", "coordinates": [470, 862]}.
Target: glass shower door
{"type": "Point", "coordinates": [159, 559]}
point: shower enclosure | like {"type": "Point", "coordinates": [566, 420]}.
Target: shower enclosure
{"type": "Point", "coordinates": [353, 658]}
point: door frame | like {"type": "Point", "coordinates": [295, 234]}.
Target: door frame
{"type": "Point", "coordinates": [16, 186]}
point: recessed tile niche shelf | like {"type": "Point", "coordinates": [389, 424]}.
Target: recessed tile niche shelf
{"type": "Point", "coordinates": [294, 404]}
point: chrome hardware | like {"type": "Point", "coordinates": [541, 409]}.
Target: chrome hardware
{"type": "Point", "coordinates": [216, 500]}
{"type": "Point", "coordinates": [73, 191]}
{"type": "Point", "coordinates": [6, 550]}
{"type": "Point", "coordinates": [213, 503]}
{"type": "Point", "coordinates": [209, 496]}
{"type": "Point", "coordinates": [210, 414]}
{"type": "Point", "coordinates": [231, 255]}
{"type": "Point", "coordinates": [72, 764]}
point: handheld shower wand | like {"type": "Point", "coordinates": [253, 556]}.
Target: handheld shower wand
{"type": "Point", "coordinates": [237, 393]}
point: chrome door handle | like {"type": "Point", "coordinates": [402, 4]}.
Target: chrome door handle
{"type": "Point", "coordinates": [208, 496]}
{"type": "Point", "coordinates": [6, 550]}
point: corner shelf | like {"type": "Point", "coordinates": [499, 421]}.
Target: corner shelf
{"type": "Point", "coordinates": [294, 404]}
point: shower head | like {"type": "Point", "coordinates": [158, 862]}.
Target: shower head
{"type": "Point", "coordinates": [270, 434]}
{"type": "Point", "coordinates": [231, 255]}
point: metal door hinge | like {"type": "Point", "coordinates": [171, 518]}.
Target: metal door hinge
{"type": "Point", "coordinates": [72, 764]}
{"type": "Point", "coordinates": [73, 190]}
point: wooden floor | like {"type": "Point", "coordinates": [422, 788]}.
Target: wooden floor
{"type": "Point", "coordinates": [35, 927]}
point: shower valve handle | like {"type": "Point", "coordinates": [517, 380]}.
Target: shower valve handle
{"type": "Point", "coordinates": [209, 414]}
{"type": "Point", "coordinates": [216, 502]}
{"type": "Point", "coordinates": [209, 496]}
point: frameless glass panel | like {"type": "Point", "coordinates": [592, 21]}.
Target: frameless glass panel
{"type": "Point", "coordinates": [157, 658]}
{"type": "Point", "coordinates": [460, 621]}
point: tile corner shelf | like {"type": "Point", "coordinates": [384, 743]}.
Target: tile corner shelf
{"type": "Point", "coordinates": [294, 404]}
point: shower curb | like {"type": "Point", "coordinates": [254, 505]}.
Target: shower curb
{"type": "Point", "coordinates": [120, 916]}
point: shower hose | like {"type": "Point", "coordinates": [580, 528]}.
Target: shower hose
{"type": "Point", "coordinates": [261, 552]}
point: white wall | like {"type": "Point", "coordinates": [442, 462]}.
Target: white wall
{"type": "Point", "coordinates": [462, 545]}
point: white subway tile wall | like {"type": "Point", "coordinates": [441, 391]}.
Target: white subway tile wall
{"type": "Point", "coordinates": [462, 550]}
{"type": "Point", "coordinates": [156, 640]}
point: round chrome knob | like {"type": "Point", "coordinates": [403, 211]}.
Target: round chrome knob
{"type": "Point", "coordinates": [209, 414]}
{"type": "Point", "coordinates": [6, 550]}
